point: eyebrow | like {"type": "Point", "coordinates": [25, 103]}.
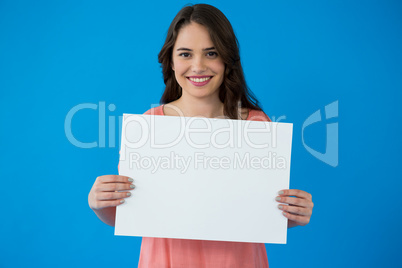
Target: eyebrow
{"type": "Point", "coordinates": [187, 49]}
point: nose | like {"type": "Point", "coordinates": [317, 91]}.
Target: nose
{"type": "Point", "coordinates": [198, 65]}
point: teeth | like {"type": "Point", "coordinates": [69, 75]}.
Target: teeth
{"type": "Point", "coordinates": [198, 80]}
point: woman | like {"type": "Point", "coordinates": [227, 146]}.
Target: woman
{"type": "Point", "coordinates": [203, 77]}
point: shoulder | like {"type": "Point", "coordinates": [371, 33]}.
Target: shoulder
{"type": "Point", "coordinates": [257, 115]}
{"type": "Point", "coordinates": [155, 111]}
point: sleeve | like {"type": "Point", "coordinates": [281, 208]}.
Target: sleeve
{"type": "Point", "coordinates": [256, 115]}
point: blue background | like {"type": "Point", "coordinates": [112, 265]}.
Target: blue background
{"type": "Point", "coordinates": [298, 56]}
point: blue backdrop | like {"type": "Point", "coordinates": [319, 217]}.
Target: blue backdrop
{"type": "Point", "coordinates": [298, 56]}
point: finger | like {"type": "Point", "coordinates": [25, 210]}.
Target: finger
{"type": "Point", "coordinates": [112, 195]}
{"type": "Point", "coordinates": [295, 192]}
{"type": "Point", "coordinates": [106, 204]}
{"type": "Point", "coordinates": [114, 178]}
{"type": "Point", "coordinates": [296, 210]}
{"type": "Point", "coordinates": [109, 187]}
{"type": "Point", "coordinates": [301, 220]}
{"type": "Point", "coordinates": [295, 201]}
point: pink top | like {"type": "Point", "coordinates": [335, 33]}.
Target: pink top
{"type": "Point", "coordinates": [253, 115]}
{"type": "Point", "coordinates": [177, 253]}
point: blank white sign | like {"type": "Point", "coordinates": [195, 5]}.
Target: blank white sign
{"type": "Point", "coordinates": [204, 178]}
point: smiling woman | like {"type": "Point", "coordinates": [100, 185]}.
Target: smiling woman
{"type": "Point", "coordinates": [204, 78]}
{"type": "Point", "coordinates": [201, 44]}
{"type": "Point", "coordinates": [200, 70]}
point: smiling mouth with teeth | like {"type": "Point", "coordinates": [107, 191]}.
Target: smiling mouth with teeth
{"type": "Point", "coordinates": [199, 80]}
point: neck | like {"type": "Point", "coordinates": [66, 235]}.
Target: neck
{"type": "Point", "coordinates": [196, 107]}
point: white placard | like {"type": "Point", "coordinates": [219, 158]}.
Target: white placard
{"type": "Point", "coordinates": [204, 178]}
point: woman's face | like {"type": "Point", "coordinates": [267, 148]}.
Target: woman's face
{"type": "Point", "coordinates": [198, 68]}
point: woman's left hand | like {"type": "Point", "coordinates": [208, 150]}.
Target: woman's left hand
{"type": "Point", "coordinates": [297, 209]}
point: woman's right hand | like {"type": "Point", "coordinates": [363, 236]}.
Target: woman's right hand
{"type": "Point", "coordinates": [109, 191]}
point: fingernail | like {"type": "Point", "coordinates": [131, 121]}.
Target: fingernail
{"type": "Point", "coordinates": [284, 213]}
{"type": "Point", "coordinates": [122, 201]}
{"type": "Point", "coordinates": [128, 194]}
{"type": "Point", "coordinates": [278, 199]}
{"type": "Point", "coordinates": [132, 186]}
{"type": "Point", "coordinates": [280, 192]}
{"type": "Point", "coordinates": [280, 206]}
{"type": "Point", "coordinates": [130, 179]}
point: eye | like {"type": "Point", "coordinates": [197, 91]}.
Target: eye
{"type": "Point", "coordinates": [212, 54]}
{"type": "Point", "coordinates": [185, 55]}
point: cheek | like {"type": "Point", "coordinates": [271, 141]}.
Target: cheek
{"type": "Point", "coordinates": [218, 68]}
{"type": "Point", "coordinates": [179, 71]}
{"type": "Point", "coordinates": [180, 67]}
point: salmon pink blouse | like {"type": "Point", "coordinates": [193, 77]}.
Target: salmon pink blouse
{"type": "Point", "coordinates": [185, 253]}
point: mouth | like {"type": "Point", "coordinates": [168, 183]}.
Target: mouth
{"type": "Point", "coordinates": [199, 80]}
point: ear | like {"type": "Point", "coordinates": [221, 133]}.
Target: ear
{"type": "Point", "coordinates": [172, 67]}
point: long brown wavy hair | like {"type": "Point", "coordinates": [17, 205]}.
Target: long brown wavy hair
{"type": "Point", "coordinates": [233, 91]}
